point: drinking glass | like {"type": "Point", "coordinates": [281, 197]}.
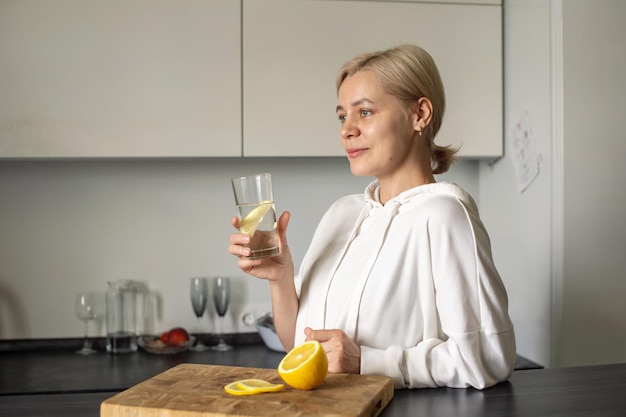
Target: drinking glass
{"type": "Point", "coordinates": [221, 299]}
{"type": "Point", "coordinates": [257, 214]}
{"type": "Point", "coordinates": [85, 311]}
{"type": "Point", "coordinates": [199, 295]}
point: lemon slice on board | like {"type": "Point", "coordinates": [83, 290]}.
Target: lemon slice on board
{"type": "Point", "coordinates": [249, 223]}
{"type": "Point", "coordinates": [233, 389]}
{"type": "Point", "coordinates": [305, 366]}
{"type": "Point", "coordinates": [252, 387]}
{"type": "Point", "coordinates": [259, 385]}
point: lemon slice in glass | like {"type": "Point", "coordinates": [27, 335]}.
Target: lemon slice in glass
{"type": "Point", "coordinates": [251, 221]}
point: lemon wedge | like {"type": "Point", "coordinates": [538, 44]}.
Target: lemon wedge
{"type": "Point", "coordinates": [251, 221]}
{"type": "Point", "coordinates": [252, 387]}
{"type": "Point", "coordinates": [305, 366]}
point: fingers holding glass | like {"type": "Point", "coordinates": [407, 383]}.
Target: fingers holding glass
{"type": "Point", "coordinates": [257, 214]}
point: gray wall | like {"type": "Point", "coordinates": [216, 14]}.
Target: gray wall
{"type": "Point", "coordinates": [520, 223]}
{"type": "Point", "coordinates": [594, 147]}
{"type": "Point", "coordinates": [561, 242]}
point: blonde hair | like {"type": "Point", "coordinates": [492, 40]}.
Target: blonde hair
{"type": "Point", "coordinates": [409, 73]}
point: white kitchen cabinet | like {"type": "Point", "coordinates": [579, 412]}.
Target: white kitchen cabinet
{"type": "Point", "coordinates": [292, 50]}
{"type": "Point", "coordinates": [161, 78]}
{"type": "Point", "coordinates": [112, 78]}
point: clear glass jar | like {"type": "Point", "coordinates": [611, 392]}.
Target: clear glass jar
{"type": "Point", "coordinates": [121, 316]}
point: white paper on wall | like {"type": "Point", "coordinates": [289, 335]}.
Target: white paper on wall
{"type": "Point", "coordinates": [526, 159]}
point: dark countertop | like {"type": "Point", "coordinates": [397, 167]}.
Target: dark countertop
{"type": "Point", "coordinates": [58, 382]}
{"type": "Point", "coordinates": [559, 392]}
{"type": "Point", "coordinates": [67, 372]}
{"type": "Point", "coordinates": [51, 366]}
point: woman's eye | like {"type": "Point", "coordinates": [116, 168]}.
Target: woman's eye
{"type": "Point", "coordinates": [342, 118]}
{"type": "Point", "coordinates": [365, 113]}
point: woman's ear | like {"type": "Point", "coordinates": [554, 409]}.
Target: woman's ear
{"type": "Point", "coordinates": [423, 112]}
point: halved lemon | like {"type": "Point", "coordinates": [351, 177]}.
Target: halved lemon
{"type": "Point", "coordinates": [252, 387]}
{"type": "Point", "coordinates": [251, 221]}
{"type": "Point", "coordinates": [305, 366]}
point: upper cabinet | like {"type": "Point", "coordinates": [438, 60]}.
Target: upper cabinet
{"type": "Point", "coordinates": [141, 78]}
{"type": "Point", "coordinates": [293, 49]}
{"type": "Point", "coordinates": [221, 78]}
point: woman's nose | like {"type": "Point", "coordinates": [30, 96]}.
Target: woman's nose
{"type": "Point", "coordinates": [349, 129]}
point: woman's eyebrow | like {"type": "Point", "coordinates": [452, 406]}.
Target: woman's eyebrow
{"type": "Point", "coordinates": [356, 103]}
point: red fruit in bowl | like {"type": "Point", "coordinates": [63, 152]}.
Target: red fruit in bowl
{"type": "Point", "coordinates": [163, 337]}
{"type": "Point", "coordinates": [177, 336]}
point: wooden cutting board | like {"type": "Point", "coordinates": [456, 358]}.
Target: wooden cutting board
{"type": "Point", "coordinates": [188, 390]}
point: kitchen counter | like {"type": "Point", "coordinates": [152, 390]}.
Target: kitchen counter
{"type": "Point", "coordinates": [561, 392]}
{"type": "Point", "coordinates": [56, 381]}
{"type": "Point", "coordinates": [59, 383]}
{"type": "Point", "coordinates": [53, 372]}
{"type": "Point", "coordinates": [56, 371]}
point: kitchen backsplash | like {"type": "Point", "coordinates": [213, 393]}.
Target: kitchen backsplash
{"type": "Point", "coordinates": [70, 225]}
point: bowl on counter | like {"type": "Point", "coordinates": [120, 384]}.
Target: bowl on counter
{"type": "Point", "coordinates": [153, 344]}
{"type": "Point", "coordinates": [265, 327]}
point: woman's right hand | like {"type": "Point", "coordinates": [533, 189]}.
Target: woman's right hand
{"type": "Point", "coordinates": [272, 269]}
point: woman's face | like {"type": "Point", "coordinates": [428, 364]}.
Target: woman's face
{"type": "Point", "coordinates": [377, 129]}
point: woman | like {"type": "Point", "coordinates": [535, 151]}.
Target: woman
{"type": "Point", "coordinates": [398, 281]}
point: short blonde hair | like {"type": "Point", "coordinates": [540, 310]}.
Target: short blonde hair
{"type": "Point", "coordinates": [409, 73]}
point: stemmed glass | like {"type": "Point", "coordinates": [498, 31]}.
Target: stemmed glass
{"type": "Point", "coordinates": [221, 299]}
{"type": "Point", "coordinates": [199, 295]}
{"type": "Point", "coordinates": [85, 311]}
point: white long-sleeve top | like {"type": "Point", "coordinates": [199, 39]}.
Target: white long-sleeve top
{"type": "Point", "coordinates": [413, 283]}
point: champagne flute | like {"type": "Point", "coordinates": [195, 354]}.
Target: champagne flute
{"type": "Point", "coordinates": [199, 295]}
{"type": "Point", "coordinates": [221, 299]}
{"type": "Point", "coordinates": [85, 311]}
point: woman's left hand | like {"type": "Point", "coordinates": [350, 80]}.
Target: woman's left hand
{"type": "Point", "coordinates": [344, 355]}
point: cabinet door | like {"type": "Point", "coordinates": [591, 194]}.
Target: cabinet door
{"type": "Point", "coordinates": [292, 50]}
{"type": "Point", "coordinates": [112, 78]}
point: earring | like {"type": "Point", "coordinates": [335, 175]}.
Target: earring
{"type": "Point", "coordinates": [419, 132]}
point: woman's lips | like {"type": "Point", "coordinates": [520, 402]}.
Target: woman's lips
{"type": "Point", "coordinates": [355, 152]}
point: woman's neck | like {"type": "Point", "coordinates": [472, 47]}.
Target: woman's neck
{"type": "Point", "coordinates": [389, 188]}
